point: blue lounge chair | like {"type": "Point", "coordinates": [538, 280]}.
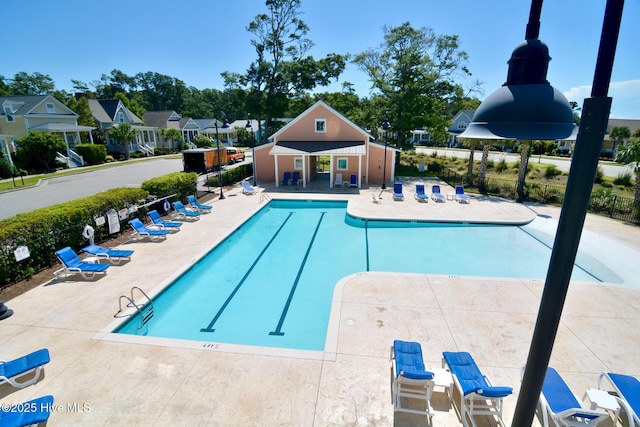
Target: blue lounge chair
{"type": "Point", "coordinates": [197, 206]}
{"type": "Point", "coordinates": [477, 395]}
{"type": "Point", "coordinates": [421, 196]}
{"type": "Point", "coordinates": [353, 180]}
{"type": "Point", "coordinates": [295, 180]}
{"type": "Point", "coordinates": [163, 224]}
{"type": "Point", "coordinates": [72, 264]}
{"type": "Point", "coordinates": [436, 194]}
{"type": "Point", "coordinates": [248, 189]}
{"type": "Point", "coordinates": [33, 412]}
{"type": "Point", "coordinates": [183, 213]}
{"type": "Point", "coordinates": [397, 191]}
{"type": "Point", "coordinates": [626, 390]}
{"type": "Point", "coordinates": [562, 407]}
{"type": "Point", "coordinates": [460, 196]}
{"type": "Point", "coordinates": [111, 255]}
{"type": "Point", "coordinates": [140, 231]}
{"type": "Point", "coordinates": [410, 379]}
{"type": "Point", "coordinates": [11, 371]}
{"type": "Point", "coordinates": [286, 179]}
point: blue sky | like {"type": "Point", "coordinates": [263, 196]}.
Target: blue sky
{"type": "Point", "coordinates": [196, 40]}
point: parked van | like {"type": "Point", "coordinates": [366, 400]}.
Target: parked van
{"type": "Point", "coordinates": [234, 155]}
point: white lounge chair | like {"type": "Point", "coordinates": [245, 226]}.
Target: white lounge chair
{"type": "Point", "coordinates": [248, 189]}
{"type": "Point", "coordinates": [338, 182]}
{"type": "Point", "coordinates": [477, 395]}
{"type": "Point", "coordinates": [561, 407]}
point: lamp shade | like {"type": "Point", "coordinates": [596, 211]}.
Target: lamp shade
{"type": "Point", "coordinates": [526, 106]}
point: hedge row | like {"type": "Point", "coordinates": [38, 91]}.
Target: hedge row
{"type": "Point", "coordinates": [46, 230]}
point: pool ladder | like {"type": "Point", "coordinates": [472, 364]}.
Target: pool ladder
{"type": "Point", "coordinates": [264, 196]}
{"type": "Point", "coordinates": [144, 310]}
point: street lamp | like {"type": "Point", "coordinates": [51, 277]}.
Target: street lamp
{"type": "Point", "coordinates": [527, 107]}
{"type": "Point", "coordinates": [385, 126]}
{"type": "Point", "coordinates": [253, 149]}
{"type": "Point", "coordinates": [225, 125]}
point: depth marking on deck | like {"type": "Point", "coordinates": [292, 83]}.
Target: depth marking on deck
{"type": "Point", "coordinates": [278, 330]}
{"type": "Point", "coordinates": [230, 297]}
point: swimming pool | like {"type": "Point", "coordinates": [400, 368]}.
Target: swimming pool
{"type": "Point", "coordinates": [271, 282]}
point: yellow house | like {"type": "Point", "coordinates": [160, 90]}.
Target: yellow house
{"type": "Point", "coordinates": [321, 131]}
{"type": "Point", "coordinates": [39, 113]}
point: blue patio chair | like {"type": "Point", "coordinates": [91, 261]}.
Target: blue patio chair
{"type": "Point", "coordinates": [197, 206]}
{"type": "Point", "coordinates": [397, 191]}
{"type": "Point", "coordinates": [295, 180]}
{"type": "Point", "coordinates": [72, 264]}
{"type": "Point", "coordinates": [140, 231]}
{"type": "Point", "coordinates": [626, 390]}
{"type": "Point", "coordinates": [460, 196]}
{"type": "Point", "coordinates": [353, 180]}
{"type": "Point", "coordinates": [33, 412]}
{"type": "Point", "coordinates": [410, 379]}
{"type": "Point", "coordinates": [421, 196]}
{"type": "Point", "coordinates": [111, 255]}
{"type": "Point", "coordinates": [181, 212]}
{"type": "Point", "coordinates": [286, 179]}
{"type": "Point", "coordinates": [477, 395]}
{"type": "Point", "coordinates": [436, 194]}
{"type": "Point", "coordinates": [163, 224]}
{"type": "Point", "coordinates": [562, 407]}
{"type": "Point", "coordinates": [12, 370]}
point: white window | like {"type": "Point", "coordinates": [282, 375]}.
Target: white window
{"type": "Point", "coordinates": [343, 164]}
{"type": "Point", "coordinates": [50, 107]}
{"type": "Point", "coordinates": [321, 125]}
{"type": "Point", "coordinates": [120, 117]}
{"type": "Point", "coordinates": [297, 163]}
{"type": "Point", "coordinates": [462, 125]}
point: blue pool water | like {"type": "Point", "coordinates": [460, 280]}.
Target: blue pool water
{"type": "Point", "coordinates": [271, 282]}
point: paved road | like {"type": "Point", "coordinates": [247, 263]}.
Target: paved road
{"type": "Point", "coordinates": [563, 164]}
{"type": "Point", "coordinates": [54, 190]}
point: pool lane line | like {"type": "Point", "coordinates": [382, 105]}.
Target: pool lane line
{"type": "Point", "coordinates": [278, 330]}
{"type": "Point", "coordinates": [237, 288]}
{"type": "Point", "coordinates": [366, 241]}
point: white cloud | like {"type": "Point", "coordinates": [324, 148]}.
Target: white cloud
{"type": "Point", "coordinates": [625, 94]}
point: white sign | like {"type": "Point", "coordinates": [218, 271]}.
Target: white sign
{"type": "Point", "coordinates": [21, 252]}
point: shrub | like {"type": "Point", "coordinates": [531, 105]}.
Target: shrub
{"type": "Point", "coordinates": [551, 170]}
{"type": "Point", "coordinates": [623, 178]}
{"type": "Point", "coordinates": [180, 183]}
{"type": "Point", "coordinates": [5, 168]}
{"type": "Point", "coordinates": [502, 165]}
{"type": "Point", "coordinates": [599, 178]}
{"type": "Point", "coordinates": [93, 154]}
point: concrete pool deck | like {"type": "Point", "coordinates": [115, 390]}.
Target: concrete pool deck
{"type": "Point", "coordinates": [127, 383]}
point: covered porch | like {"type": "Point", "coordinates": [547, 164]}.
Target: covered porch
{"type": "Point", "coordinates": [346, 158]}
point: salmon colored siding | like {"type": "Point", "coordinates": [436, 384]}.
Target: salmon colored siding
{"type": "Point", "coordinates": [336, 128]}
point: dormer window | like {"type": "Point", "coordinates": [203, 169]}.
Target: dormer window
{"type": "Point", "coordinates": [321, 125]}
{"type": "Point", "coordinates": [120, 117]}
{"type": "Point", "coordinates": [51, 108]}
{"type": "Point", "coordinates": [462, 125]}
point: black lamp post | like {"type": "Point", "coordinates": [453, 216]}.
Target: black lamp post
{"type": "Point", "coordinates": [253, 149]}
{"type": "Point", "coordinates": [219, 166]}
{"type": "Point", "coordinates": [385, 125]}
{"type": "Point", "coordinates": [515, 111]}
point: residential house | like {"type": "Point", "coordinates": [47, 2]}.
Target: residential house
{"type": "Point", "coordinates": [607, 145]}
{"type": "Point", "coordinates": [321, 131]}
{"type": "Point", "coordinates": [458, 125]}
{"type": "Point", "coordinates": [40, 113]}
{"type": "Point", "coordinates": [112, 112]}
{"type": "Point", "coordinates": [163, 120]}
{"type": "Point", "coordinates": [190, 129]}
{"type": "Point", "coordinates": [421, 137]}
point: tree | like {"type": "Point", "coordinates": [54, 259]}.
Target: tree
{"type": "Point", "coordinates": [522, 170]}
{"type": "Point", "coordinates": [34, 84]}
{"type": "Point", "coordinates": [618, 135]}
{"type": "Point", "coordinates": [39, 149]}
{"type": "Point", "coordinates": [124, 133]}
{"type": "Point", "coordinates": [173, 135]}
{"type": "Point", "coordinates": [630, 155]}
{"type": "Point", "coordinates": [282, 68]}
{"type": "Point", "coordinates": [414, 71]}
